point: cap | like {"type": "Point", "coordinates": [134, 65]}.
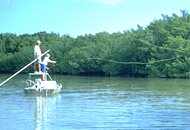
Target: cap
{"type": "Point", "coordinates": [48, 55]}
{"type": "Point", "coordinates": [38, 42]}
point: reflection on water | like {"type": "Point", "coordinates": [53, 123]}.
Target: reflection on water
{"type": "Point", "coordinates": [98, 103]}
{"type": "Point", "coordinates": [41, 112]}
{"type": "Point", "coordinates": [45, 107]}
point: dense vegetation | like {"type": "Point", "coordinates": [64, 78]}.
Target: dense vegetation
{"type": "Point", "coordinates": [161, 49]}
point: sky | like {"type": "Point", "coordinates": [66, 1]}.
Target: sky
{"type": "Point", "coordinates": [79, 17]}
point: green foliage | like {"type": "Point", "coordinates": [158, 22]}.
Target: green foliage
{"type": "Point", "coordinates": [130, 53]}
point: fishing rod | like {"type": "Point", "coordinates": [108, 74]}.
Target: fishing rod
{"type": "Point", "coordinates": [26, 66]}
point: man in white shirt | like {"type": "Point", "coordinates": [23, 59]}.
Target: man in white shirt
{"type": "Point", "coordinates": [44, 64]}
{"type": "Point", "coordinates": [37, 55]}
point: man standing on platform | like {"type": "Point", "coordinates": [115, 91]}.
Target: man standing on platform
{"type": "Point", "coordinates": [44, 64]}
{"type": "Point", "coordinates": [37, 55]}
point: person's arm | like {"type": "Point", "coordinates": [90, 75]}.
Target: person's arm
{"type": "Point", "coordinates": [51, 61]}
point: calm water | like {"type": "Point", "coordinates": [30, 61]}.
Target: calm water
{"type": "Point", "coordinates": [89, 103]}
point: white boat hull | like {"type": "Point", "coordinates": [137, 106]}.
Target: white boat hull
{"type": "Point", "coordinates": [43, 88]}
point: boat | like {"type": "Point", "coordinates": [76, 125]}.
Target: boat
{"type": "Point", "coordinates": [37, 86]}
{"type": "Point", "coordinates": [39, 82]}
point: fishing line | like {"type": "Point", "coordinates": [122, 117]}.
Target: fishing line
{"type": "Point", "coordinates": [143, 63]}
{"type": "Point", "coordinates": [131, 63]}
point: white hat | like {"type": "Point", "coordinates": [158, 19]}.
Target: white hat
{"type": "Point", "coordinates": [38, 42]}
{"type": "Point", "coordinates": [48, 55]}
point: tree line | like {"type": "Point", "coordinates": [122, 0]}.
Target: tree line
{"type": "Point", "coordinates": [161, 49]}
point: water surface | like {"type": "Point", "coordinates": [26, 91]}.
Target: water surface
{"type": "Point", "coordinates": [90, 103]}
